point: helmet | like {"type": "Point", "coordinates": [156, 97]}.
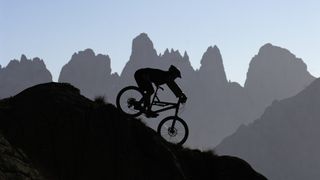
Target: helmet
{"type": "Point", "coordinates": [175, 71]}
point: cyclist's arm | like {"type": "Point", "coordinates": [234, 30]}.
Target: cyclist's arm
{"type": "Point", "coordinates": [175, 88]}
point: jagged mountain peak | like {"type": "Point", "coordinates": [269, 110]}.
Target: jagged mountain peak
{"type": "Point", "coordinates": [277, 69]}
{"type": "Point", "coordinates": [143, 54]}
{"type": "Point", "coordinates": [23, 73]}
{"type": "Point", "coordinates": [115, 74]}
{"type": "Point", "coordinates": [214, 48]}
{"type": "Point", "coordinates": [175, 51]}
{"type": "Point", "coordinates": [270, 46]}
{"type": "Point", "coordinates": [175, 54]}
{"type": "Point", "coordinates": [212, 56]}
{"type": "Point", "coordinates": [23, 58]}
{"type": "Point", "coordinates": [185, 55]}
{"type": "Point", "coordinates": [267, 45]}
{"type": "Point", "coordinates": [212, 64]}
{"type": "Point", "coordinates": [12, 63]}
{"type": "Point", "coordinates": [270, 49]}
{"type": "Point", "coordinates": [89, 72]}
{"type": "Point", "coordinates": [142, 42]}
{"type": "Point", "coordinates": [143, 35]}
{"type": "Point", "coordinates": [172, 53]}
{"type": "Point", "coordinates": [87, 53]}
{"type": "Point", "coordinates": [25, 62]}
{"type": "Point", "coordinates": [274, 74]}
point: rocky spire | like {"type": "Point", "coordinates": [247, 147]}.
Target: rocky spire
{"type": "Point", "coordinates": [142, 48]}
{"type": "Point", "coordinates": [274, 74]}
{"type": "Point", "coordinates": [88, 72]}
{"type": "Point", "coordinates": [212, 65]}
{"type": "Point", "coordinates": [185, 56]}
{"type": "Point", "coordinates": [21, 74]}
{"type": "Point", "coordinates": [23, 58]}
{"type": "Point", "coordinates": [143, 55]}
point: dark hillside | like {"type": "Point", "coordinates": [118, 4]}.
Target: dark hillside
{"type": "Point", "coordinates": [14, 164]}
{"type": "Point", "coordinates": [68, 136]}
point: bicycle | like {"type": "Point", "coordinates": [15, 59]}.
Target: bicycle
{"type": "Point", "coordinates": [130, 100]}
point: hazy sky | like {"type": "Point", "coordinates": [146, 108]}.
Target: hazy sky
{"type": "Point", "coordinates": [54, 30]}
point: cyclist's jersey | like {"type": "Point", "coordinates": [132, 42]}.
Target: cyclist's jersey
{"type": "Point", "coordinates": [159, 77]}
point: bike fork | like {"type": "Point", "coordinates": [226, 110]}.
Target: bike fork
{"type": "Point", "coordinates": [175, 115]}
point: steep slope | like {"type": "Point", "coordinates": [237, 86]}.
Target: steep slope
{"type": "Point", "coordinates": [90, 73]}
{"type": "Point", "coordinates": [274, 74]}
{"type": "Point", "coordinates": [284, 142]}
{"type": "Point", "coordinates": [68, 136]}
{"type": "Point", "coordinates": [18, 75]}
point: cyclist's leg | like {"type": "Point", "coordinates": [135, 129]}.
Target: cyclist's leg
{"type": "Point", "coordinates": [148, 92]}
{"type": "Point", "coordinates": [146, 86]}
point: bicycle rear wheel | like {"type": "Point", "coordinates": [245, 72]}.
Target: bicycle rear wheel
{"type": "Point", "coordinates": [130, 101]}
{"type": "Point", "coordinates": [176, 133]}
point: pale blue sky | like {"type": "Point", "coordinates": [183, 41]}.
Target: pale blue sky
{"type": "Point", "coordinates": [54, 30]}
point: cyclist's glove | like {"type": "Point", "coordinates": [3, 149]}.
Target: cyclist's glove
{"type": "Point", "coordinates": [183, 98]}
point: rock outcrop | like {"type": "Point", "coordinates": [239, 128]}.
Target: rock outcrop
{"type": "Point", "coordinates": [212, 68]}
{"type": "Point", "coordinates": [19, 75]}
{"type": "Point", "coordinates": [274, 74]}
{"type": "Point", "coordinates": [143, 55]}
{"type": "Point", "coordinates": [284, 142]}
{"type": "Point", "coordinates": [68, 136]}
{"type": "Point", "coordinates": [90, 73]}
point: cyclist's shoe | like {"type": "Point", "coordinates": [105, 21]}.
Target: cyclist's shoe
{"type": "Point", "coordinates": [151, 114]}
{"type": "Point", "coordinates": [135, 104]}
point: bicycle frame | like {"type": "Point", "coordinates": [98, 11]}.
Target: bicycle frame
{"type": "Point", "coordinates": [166, 105]}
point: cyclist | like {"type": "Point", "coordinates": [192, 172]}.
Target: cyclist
{"type": "Point", "coordinates": [146, 76]}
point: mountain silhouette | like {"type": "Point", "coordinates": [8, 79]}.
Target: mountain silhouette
{"type": "Point", "coordinates": [284, 142]}
{"type": "Point", "coordinates": [274, 74]}
{"type": "Point", "coordinates": [212, 67]}
{"type": "Point", "coordinates": [91, 73]}
{"type": "Point", "coordinates": [18, 75]}
{"type": "Point", "coordinates": [216, 107]}
{"type": "Point", "coordinates": [68, 136]}
{"type": "Point", "coordinates": [143, 55]}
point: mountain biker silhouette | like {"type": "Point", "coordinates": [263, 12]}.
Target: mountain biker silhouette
{"type": "Point", "coordinates": [146, 76]}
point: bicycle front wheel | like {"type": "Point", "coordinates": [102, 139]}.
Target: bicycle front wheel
{"type": "Point", "coordinates": [130, 101]}
{"type": "Point", "coordinates": [173, 129]}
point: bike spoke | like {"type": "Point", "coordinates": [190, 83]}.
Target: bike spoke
{"type": "Point", "coordinates": [129, 101]}
{"type": "Point", "coordinates": [173, 134]}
